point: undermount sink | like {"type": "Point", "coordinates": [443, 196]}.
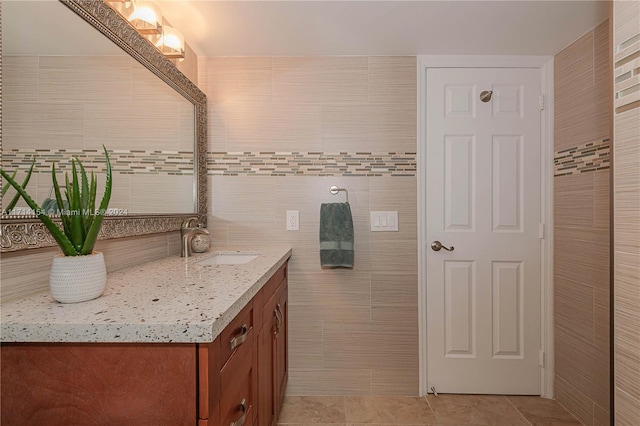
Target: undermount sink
{"type": "Point", "coordinates": [229, 259]}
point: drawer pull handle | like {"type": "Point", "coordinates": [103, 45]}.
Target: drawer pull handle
{"type": "Point", "coordinates": [239, 339]}
{"type": "Point", "coordinates": [278, 321]}
{"type": "Point", "coordinates": [243, 408]}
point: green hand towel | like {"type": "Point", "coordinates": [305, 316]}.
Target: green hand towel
{"type": "Point", "coordinates": [336, 235]}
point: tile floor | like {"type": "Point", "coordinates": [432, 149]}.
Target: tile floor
{"type": "Point", "coordinates": [458, 410]}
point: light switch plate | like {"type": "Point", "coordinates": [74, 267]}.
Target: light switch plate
{"type": "Point", "coordinates": [384, 221]}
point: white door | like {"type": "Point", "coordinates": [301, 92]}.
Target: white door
{"type": "Point", "coordinates": [483, 201]}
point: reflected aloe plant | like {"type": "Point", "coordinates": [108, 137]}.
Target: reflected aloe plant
{"type": "Point", "coordinates": [16, 197]}
{"type": "Point", "coordinates": [81, 221]}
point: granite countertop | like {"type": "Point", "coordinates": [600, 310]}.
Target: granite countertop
{"type": "Point", "coordinates": [172, 300]}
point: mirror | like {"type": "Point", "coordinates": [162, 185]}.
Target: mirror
{"type": "Point", "coordinates": [72, 82]}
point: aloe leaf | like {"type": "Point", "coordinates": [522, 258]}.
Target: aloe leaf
{"type": "Point", "coordinates": [61, 207]}
{"type": "Point", "coordinates": [8, 185]}
{"type": "Point", "coordinates": [77, 229]}
{"type": "Point", "coordinates": [86, 214]}
{"type": "Point", "coordinates": [16, 198]}
{"type": "Point", "coordinates": [92, 201]}
{"type": "Point", "coordinates": [92, 235]}
{"type": "Point", "coordinates": [65, 245]}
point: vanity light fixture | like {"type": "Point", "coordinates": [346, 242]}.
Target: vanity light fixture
{"type": "Point", "coordinates": [146, 18]}
{"type": "Point", "coordinates": [123, 7]}
{"type": "Point", "coordinates": [171, 43]}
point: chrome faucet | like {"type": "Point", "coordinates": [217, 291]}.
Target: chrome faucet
{"type": "Point", "coordinates": [187, 232]}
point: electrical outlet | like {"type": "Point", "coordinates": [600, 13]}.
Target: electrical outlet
{"type": "Point", "coordinates": [293, 220]}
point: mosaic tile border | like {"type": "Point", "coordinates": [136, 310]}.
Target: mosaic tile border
{"type": "Point", "coordinates": [122, 161]}
{"type": "Point", "coordinates": [311, 163]}
{"type": "Point", "coordinates": [585, 158]}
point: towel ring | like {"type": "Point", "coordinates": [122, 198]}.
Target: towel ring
{"type": "Point", "coordinates": [334, 190]}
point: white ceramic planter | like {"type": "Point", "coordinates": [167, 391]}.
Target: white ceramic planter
{"type": "Point", "coordinates": [78, 278]}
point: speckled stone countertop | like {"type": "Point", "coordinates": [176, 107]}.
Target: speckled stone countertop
{"type": "Point", "coordinates": [169, 300]}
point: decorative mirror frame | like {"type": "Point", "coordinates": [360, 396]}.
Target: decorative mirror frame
{"type": "Point", "coordinates": [27, 232]}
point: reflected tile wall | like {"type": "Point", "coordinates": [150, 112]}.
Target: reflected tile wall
{"type": "Point", "coordinates": [282, 131]}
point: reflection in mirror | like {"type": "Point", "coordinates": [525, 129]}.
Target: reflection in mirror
{"type": "Point", "coordinates": [67, 90]}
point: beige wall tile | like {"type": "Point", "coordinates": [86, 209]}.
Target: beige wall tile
{"type": "Point", "coordinates": [174, 243]}
{"type": "Point", "coordinates": [581, 99]}
{"type": "Point", "coordinates": [216, 128]}
{"type": "Point", "coordinates": [42, 125]}
{"type": "Point", "coordinates": [574, 200]}
{"type": "Point", "coordinates": [161, 193]}
{"type": "Point", "coordinates": [601, 416]}
{"type": "Point", "coordinates": [573, 401]}
{"type": "Point", "coordinates": [395, 382]}
{"type": "Point", "coordinates": [627, 181]}
{"type": "Point", "coordinates": [305, 337]}
{"type": "Point", "coordinates": [573, 69]}
{"type": "Point", "coordinates": [329, 382]}
{"type": "Point", "coordinates": [267, 127]}
{"type": "Point", "coordinates": [399, 194]}
{"type": "Point", "coordinates": [324, 105]}
{"type": "Point", "coordinates": [582, 256]}
{"type": "Point", "coordinates": [369, 128]}
{"type": "Point", "coordinates": [125, 252]}
{"type": "Point", "coordinates": [85, 78]}
{"type": "Point", "coordinates": [374, 345]}
{"type": "Point", "coordinates": [601, 198]}
{"type": "Point", "coordinates": [320, 79]}
{"type": "Point", "coordinates": [146, 86]}
{"type": "Point", "coordinates": [581, 238]}
{"type": "Point", "coordinates": [20, 78]}
{"type": "Point", "coordinates": [392, 79]}
{"type": "Point", "coordinates": [394, 290]}
{"type": "Point", "coordinates": [389, 255]}
{"type": "Point", "coordinates": [25, 272]}
{"type": "Point", "coordinates": [404, 314]}
{"type": "Point", "coordinates": [244, 199]}
{"type": "Point", "coordinates": [218, 229]}
{"type": "Point", "coordinates": [627, 328]}
{"type": "Point", "coordinates": [583, 366]}
{"type": "Point", "coordinates": [334, 295]}
{"type": "Point", "coordinates": [143, 125]}
{"type": "Point", "coordinates": [626, 408]}
{"type": "Point", "coordinates": [574, 306]}
{"type": "Point", "coordinates": [601, 320]}
{"type": "Point", "coordinates": [236, 79]}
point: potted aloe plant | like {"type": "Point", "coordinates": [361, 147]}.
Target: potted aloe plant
{"type": "Point", "coordinates": [79, 274]}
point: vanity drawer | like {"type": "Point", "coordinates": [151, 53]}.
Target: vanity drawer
{"type": "Point", "coordinates": [271, 287]}
{"type": "Point", "coordinates": [235, 335]}
{"type": "Point", "coordinates": [238, 384]}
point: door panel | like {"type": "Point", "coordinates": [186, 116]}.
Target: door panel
{"type": "Point", "coordinates": [483, 198]}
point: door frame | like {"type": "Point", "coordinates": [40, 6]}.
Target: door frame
{"type": "Point", "coordinates": [545, 65]}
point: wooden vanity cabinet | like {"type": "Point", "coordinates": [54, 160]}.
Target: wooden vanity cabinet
{"type": "Point", "coordinates": [240, 378]}
{"type": "Point", "coordinates": [272, 353]}
{"type": "Point", "coordinates": [243, 373]}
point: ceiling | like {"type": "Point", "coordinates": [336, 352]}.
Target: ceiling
{"type": "Point", "coordinates": [309, 28]}
{"type": "Point", "coordinates": [292, 28]}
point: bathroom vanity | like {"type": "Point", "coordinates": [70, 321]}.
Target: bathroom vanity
{"type": "Point", "coordinates": [172, 342]}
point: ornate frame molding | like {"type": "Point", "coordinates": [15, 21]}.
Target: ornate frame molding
{"type": "Point", "coordinates": [28, 232]}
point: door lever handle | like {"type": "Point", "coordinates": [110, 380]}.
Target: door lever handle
{"type": "Point", "coordinates": [437, 245]}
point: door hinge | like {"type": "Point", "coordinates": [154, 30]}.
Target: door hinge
{"type": "Point", "coordinates": [541, 231]}
{"type": "Point", "coordinates": [541, 361]}
{"type": "Point", "coordinates": [541, 102]}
